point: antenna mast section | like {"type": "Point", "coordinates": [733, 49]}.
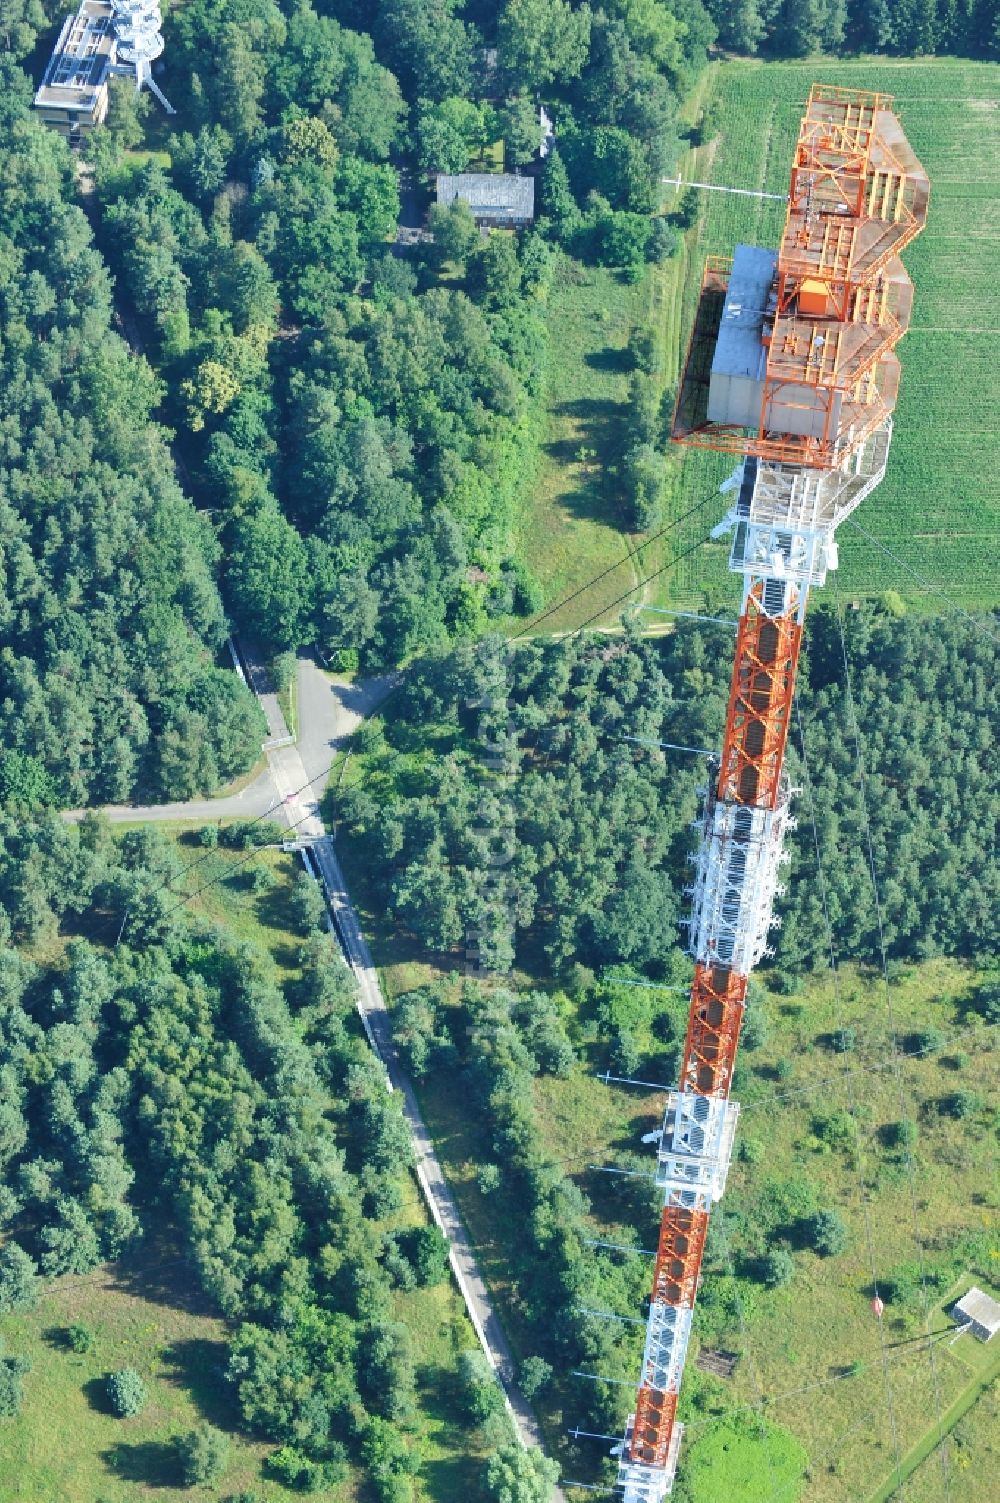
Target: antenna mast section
{"type": "Point", "coordinates": [140, 42]}
{"type": "Point", "coordinates": [790, 366]}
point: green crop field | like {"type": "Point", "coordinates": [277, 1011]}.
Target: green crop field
{"type": "Point", "coordinates": [939, 506]}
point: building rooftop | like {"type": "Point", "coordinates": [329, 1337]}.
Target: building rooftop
{"type": "Point", "coordinates": [80, 59]}
{"type": "Point", "coordinates": [981, 1309]}
{"type": "Point", "coordinates": [490, 195]}
{"type": "Point", "coordinates": [739, 350]}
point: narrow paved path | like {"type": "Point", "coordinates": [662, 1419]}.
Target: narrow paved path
{"type": "Point", "coordinates": [428, 1166]}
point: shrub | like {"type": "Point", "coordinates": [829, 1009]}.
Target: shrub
{"type": "Point", "coordinates": [481, 1393]}
{"type": "Point", "coordinates": [79, 1339]}
{"type": "Point", "coordinates": [429, 1255]}
{"type": "Point", "coordinates": [126, 1392]}
{"type": "Point", "coordinates": [828, 1233]}
{"type": "Point", "coordinates": [778, 1268]}
{"type": "Point", "coordinates": [203, 1455]}
{"type": "Point", "coordinates": [928, 1041]}
{"type": "Point", "coordinates": [515, 1475]}
{"type": "Point", "coordinates": [986, 1000]}
{"type": "Point", "coordinates": [533, 1375]}
{"type": "Point", "coordinates": [259, 879]}
{"type": "Point", "coordinates": [750, 1151]}
{"type": "Point", "coordinates": [904, 1134]}
{"type": "Point", "coordinates": [283, 666]}
{"type": "Point", "coordinates": [488, 1178]}
{"type": "Point", "coordinates": [836, 1129]}
{"type": "Point", "coordinates": [962, 1104]}
{"type": "Point", "coordinates": [245, 834]}
{"type": "Point", "coordinates": [844, 1040]}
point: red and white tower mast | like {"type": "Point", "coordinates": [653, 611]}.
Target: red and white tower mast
{"type": "Point", "coordinates": [791, 366]}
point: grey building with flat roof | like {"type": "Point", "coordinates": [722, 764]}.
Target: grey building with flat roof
{"type": "Point", "coordinates": [499, 200]}
{"type": "Point", "coordinates": [980, 1311]}
{"type": "Point", "coordinates": [73, 94]}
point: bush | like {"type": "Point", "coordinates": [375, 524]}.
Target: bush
{"type": "Point", "coordinates": [750, 1151]}
{"type": "Point", "coordinates": [481, 1393]}
{"type": "Point", "coordinates": [126, 1392]}
{"type": "Point", "coordinates": [203, 1455]}
{"type": "Point", "coordinates": [686, 212]}
{"type": "Point", "coordinates": [828, 1233]}
{"type": "Point", "coordinates": [663, 241]}
{"type": "Point", "coordinates": [283, 666]}
{"type": "Point", "coordinates": [962, 1104]}
{"type": "Point", "coordinates": [488, 1178]}
{"type": "Point", "coordinates": [844, 1040]}
{"type": "Point", "coordinates": [428, 1253]}
{"type": "Point", "coordinates": [79, 1339]}
{"type": "Point", "coordinates": [246, 834]}
{"type": "Point", "coordinates": [514, 1475]}
{"type": "Point", "coordinates": [904, 1134]}
{"type": "Point", "coordinates": [533, 1375]}
{"type": "Point", "coordinates": [927, 1042]}
{"type": "Point", "coordinates": [778, 1268]}
{"type": "Point", "coordinates": [986, 1000]}
{"type": "Point", "coordinates": [643, 351]}
{"type": "Point", "coordinates": [293, 1468]}
{"type": "Point", "coordinates": [308, 903]}
{"type": "Point", "coordinates": [836, 1129]}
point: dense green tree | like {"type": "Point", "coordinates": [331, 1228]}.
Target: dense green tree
{"type": "Point", "coordinates": [269, 576]}
{"type": "Point", "coordinates": [126, 1392]}
{"type": "Point", "coordinates": [828, 1233]}
{"type": "Point", "coordinates": [18, 1280]}
{"type": "Point", "coordinates": [517, 1475]}
{"type": "Point", "coordinates": [12, 1372]}
{"type": "Point", "coordinates": [541, 41]}
{"type": "Point", "coordinates": [203, 1456]}
{"type": "Point", "coordinates": [428, 47]}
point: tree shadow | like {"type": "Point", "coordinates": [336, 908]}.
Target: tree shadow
{"type": "Point", "coordinates": [150, 1462]}
{"type": "Point", "coordinates": [164, 1277]}
{"type": "Point", "coordinates": [57, 1337]}
{"type": "Point", "coordinates": [612, 358]}
{"type": "Point", "coordinates": [589, 493]}
{"type": "Point", "coordinates": [198, 1366]}
{"type": "Point", "coordinates": [95, 1391]}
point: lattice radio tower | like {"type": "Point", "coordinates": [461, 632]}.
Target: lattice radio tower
{"type": "Point", "coordinates": [791, 365]}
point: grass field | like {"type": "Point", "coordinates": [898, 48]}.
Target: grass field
{"type": "Point", "coordinates": [939, 507]}
{"type": "Point", "coordinates": [65, 1447]}
{"type": "Point", "coordinates": [807, 1336]}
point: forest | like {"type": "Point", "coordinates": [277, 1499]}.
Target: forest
{"type": "Point", "coordinates": [168, 1084]}
{"type": "Point", "coordinates": [505, 809]}
{"type": "Point", "coordinates": [111, 621]}
{"type": "Point", "coordinates": [795, 28]}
